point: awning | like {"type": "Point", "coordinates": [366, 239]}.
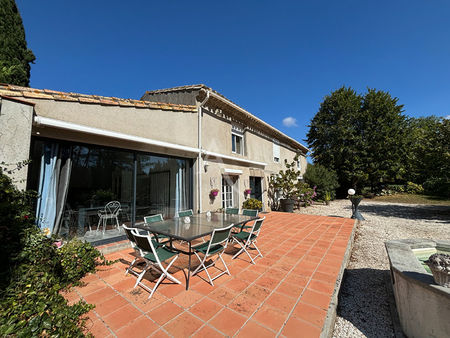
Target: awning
{"type": "Point", "coordinates": [228, 171]}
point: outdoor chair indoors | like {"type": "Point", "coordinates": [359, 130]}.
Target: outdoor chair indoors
{"type": "Point", "coordinates": [215, 246]}
{"type": "Point", "coordinates": [154, 256]}
{"type": "Point", "coordinates": [111, 211]}
{"type": "Point", "coordinates": [248, 239]}
{"type": "Point", "coordinates": [232, 211]}
{"type": "Point", "coordinates": [185, 213]}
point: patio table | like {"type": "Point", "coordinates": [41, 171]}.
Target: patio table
{"type": "Point", "coordinates": [201, 225]}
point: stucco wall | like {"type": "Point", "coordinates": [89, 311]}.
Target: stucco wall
{"type": "Point", "coordinates": [15, 137]}
{"type": "Point", "coordinates": [168, 126]}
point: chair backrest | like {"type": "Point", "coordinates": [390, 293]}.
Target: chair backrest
{"type": "Point", "coordinates": [249, 212]}
{"type": "Point", "coordinates": [232, 211]}
{"type": "Point", "coordinates": [130, 235]}
{"type": "Point", "coordinates": [220, 235]}
{"type": "Point", "coordinates": [257, 226]}
{"type": "Point", "coordinates": [145, 244]}
{"type": "Point", "coordinates": [185, 213]}
{"type": "Point", "coordinates": [113, 208]}
{"type": "Point", "coordinates": [154, 218]}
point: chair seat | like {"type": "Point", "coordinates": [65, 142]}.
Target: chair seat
{"type": "Point", "coordinates": [243, 236]}
{"type": "Point", "coordinates": [204, 247]}
{"type": "Point", "coordinates": [163, 254]}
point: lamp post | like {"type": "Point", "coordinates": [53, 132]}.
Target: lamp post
{"type": "Point", "coordinates": [355, 203]}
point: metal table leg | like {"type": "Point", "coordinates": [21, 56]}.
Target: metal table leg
{"type": "Point", "coordinates": [189, 267]}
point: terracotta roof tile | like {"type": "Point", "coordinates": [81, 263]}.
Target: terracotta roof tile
{"type": "Point", "coordinates": [48, 94]}
{"type": "Point", "coordinates": [10, 93]}
{"type": "Point", "coordinates": [37, 95]}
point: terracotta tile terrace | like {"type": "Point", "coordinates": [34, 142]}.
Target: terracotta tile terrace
{"type": "Point", "coordinates": [291, 291]}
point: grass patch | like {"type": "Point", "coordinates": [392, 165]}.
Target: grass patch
{"type": "Point", "coordinates": [413, 199]}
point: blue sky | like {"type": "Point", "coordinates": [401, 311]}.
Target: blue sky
{"type": "Point", "coordinates": [276, 59]}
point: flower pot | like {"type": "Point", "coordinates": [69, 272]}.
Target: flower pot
{"type": "Point", "coordinates": [287, 205]}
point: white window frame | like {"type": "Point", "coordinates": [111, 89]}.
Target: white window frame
{"type": "Point", "coordinates": [241, 136]}
{"type": "Point", "coordinates": [227, 190]}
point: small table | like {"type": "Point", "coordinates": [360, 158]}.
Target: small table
{"type": "Point", "coordinates": [200, 226]}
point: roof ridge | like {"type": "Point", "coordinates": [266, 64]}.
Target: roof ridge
{"type": "Point", "coordinates": [49, 94]}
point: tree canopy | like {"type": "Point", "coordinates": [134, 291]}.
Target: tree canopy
{"type": "Point", "coordinates": [15, 57]}
{"type": "Point", "coordinates": [361, 137]}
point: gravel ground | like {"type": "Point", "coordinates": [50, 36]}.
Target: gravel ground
{"type": "Point", "coordinates": [364, 309]}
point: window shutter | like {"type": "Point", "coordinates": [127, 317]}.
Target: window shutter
{"type": "Point", "coordinates": [276, 150]}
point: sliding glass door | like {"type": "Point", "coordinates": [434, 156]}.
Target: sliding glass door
{"type": "Point", "coordinates": [84, 179]}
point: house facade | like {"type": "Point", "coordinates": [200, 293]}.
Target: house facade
{"type": "Point", "coordinates": [164, 153]}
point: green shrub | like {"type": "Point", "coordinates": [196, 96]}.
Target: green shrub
{"type": "Point", "coordinates": [395, 188]}
{"type": "Point", "coordinates": [437, 186]}
{"type": "Point", "coordinates": [413, 188]}
{"type": "Point", "coordinates": [323, 179]}
{"type": "Point", "coordinates": [252, 203]}
{"type": "Point", "coordinates": [36, 272]}
{"type": "Point", "coordinates": [305, 193]}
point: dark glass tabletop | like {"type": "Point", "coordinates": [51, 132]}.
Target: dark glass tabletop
{"type": "Point", "coordinates": [200, 225]}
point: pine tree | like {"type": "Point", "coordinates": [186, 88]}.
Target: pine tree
{"type": "Point", "coordinates": [15, 57]}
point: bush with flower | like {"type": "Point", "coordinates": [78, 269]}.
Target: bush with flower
{"type": "Point", "coordinates": [34, 272]}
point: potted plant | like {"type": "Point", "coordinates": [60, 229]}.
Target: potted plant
{"type": "Point", "coordinates": [327, 197]}
{"type": "Point", "coordinates": [285, 184]}
{"type": "Point", "coordinates": [214, 192]}
{"type": "Point", "coordinates": [247, 191]}
{"type": "Point", "coordinates": [252, 204]}
{"type": "Point", "coordinates": [439, 265]}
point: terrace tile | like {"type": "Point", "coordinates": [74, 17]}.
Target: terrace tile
{"type": "Point", "coordinates": [287, 292]}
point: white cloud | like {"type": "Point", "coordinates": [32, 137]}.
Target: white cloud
{"type": "Point", "coordinates": [290, 122]}
{"type": "Point", "coordinates": [448, 117]}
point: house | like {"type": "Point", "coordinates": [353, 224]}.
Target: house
{"type": "Point", "coordinates": [161, 154]}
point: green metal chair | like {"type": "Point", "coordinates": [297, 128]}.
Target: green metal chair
{"type": "Point", "coordinates": [185, 213]}
{"type": "Point", "coordinates": [154, 219]}
{"type": "Point", "coordinates": [232, 211]}
{"type": "Point", "coordinates": [249, 212]}
{"type": "Point", "coordinates": [248, 239]}
{"type": "Point", "coordinates": [215, 246]}
{"type": "Point", "coordinates": [154, 256]}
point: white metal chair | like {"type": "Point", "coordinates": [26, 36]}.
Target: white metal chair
{"type": "Point", "coordinates": [111, 211]}
{"type": "Point", "coordinates": [247, 239]}
{"type": "Point", "coordinates": [154, 256]}
{"type": "Point", "coordinates": [215, 246]}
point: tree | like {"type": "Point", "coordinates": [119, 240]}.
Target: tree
{"type": "Point", "coordinates": [429, 154]}
{"type": "Point", "coordinates": [362, 138]}
{"type": "Point", "coordinates": [15, 57]}
{"type": "Point", "coordinates": [325, 180]}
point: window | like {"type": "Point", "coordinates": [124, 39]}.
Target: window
{"type": "Point", "coordinates": [299, 164]}
{"type": "Point", "coordinates": [276, 152]}
{"type": "Point", "coordinates": [237, 144]}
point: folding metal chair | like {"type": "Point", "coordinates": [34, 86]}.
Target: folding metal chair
{"type": "Point", "coordinates": [154, 219]}
{"type": "Point", "coordinates": [130, 235]}
{"type": "Point", "coordinates": [247, 239]}
{"type": "Point", "coordinates": [185, 213]}
{"type": "Point", "coordinates": [250, 212]}
{"type": "Point", "coordinates": [215, 246]}
{"type": "Point", "coordinates": [232, 211]}
{"type": "Point", "coordinates": [154, 257]}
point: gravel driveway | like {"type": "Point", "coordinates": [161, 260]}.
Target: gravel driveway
{"type": "Point", "coordinates": [364, 309]}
